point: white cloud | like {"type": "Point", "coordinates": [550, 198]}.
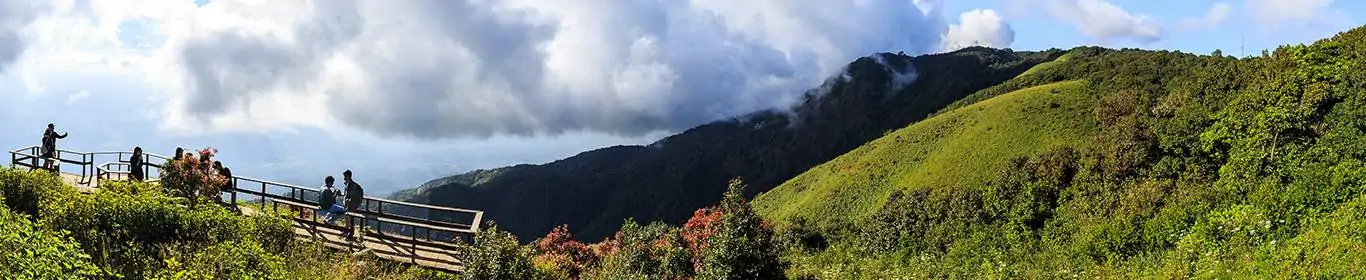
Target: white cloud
{"type": "Point", "coordinates": [1104, 21]}
{"type": "Point", "coordinates": [15, 17]}
{"type": "Point", "coordinates": [980, 27]}
{"type": "Point", "coordinates": [1277, 12]}
{"type": "Point", "coordinates": [435, 69]}
{"type": "Point", "coordinates": [1216, 15]}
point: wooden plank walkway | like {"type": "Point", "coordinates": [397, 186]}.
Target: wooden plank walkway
{"type": "Point", "coordinates": [385, 247]}
{"type": "Point", "coordinates": [425, 235]}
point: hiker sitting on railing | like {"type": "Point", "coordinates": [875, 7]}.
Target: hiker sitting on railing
{"type": "Point", "coordinates": [327, 202]}
{"type": "Point", "coordinates": [49, 149]}
{"type": "Point", "coordinates": [135, 165]}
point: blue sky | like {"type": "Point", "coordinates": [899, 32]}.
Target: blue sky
{"type": "Point", "coordinates": [1242, 26]}
{"type": "Point", "coordinates": [407, 91]}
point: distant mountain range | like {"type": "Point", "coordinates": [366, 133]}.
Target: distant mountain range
{"type": "Point", "coordinates": [595, 191]}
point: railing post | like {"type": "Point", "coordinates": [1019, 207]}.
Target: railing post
{"type": "Point", "coordinates": [414, 252]}
{"type": "Point", "coordinates": [478, 219]}
{"type": "Point", "coordinates": [146, 168]}
{"type": "Point", "coordinates": [232, 184]}
{"type": "Point", "coordinates": [85, 167]}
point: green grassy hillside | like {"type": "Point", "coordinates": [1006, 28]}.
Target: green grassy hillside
{"type": "Point", "coordinates": [1151, 165]}
{"type": "Point", "coordinates": [960, 148]}
{"type": "Point", "coordinates": [1047, 65]}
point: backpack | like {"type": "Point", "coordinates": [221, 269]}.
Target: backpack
{"type": "Point", "coordinates": [328, 198]}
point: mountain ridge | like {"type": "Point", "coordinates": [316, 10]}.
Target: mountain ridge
{"type": "Point", "coordinates": [595, 191]}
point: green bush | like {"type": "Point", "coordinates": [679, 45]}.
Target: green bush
{"type": "Point", "coordinates": [654, 251]}
{"type": "Point", "coordinates": [30, 251]}
{"type": "Point", "coordinates": [496, 255]}
{"type": "Point", "coordinates": [227, 260]}
{"type": "Point", "coordinates": [743, 245]}
{"type": "Point", "coordinates": [26, 192]}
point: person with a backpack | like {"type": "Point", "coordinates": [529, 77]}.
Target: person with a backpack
{"type": "Point", "coordinates": [327, 202]}
{"type": "Point", "coordinates": [49, 149]}
{"type": "Point", "coordinates": [354, 196]}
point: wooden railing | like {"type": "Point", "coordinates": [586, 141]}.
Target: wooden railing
{"type": "Point", "coordinates": [416, 225]}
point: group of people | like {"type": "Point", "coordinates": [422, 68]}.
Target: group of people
{"type": "Point", "coordinates": [328, 203]}
{"type": "Point", "coordinates": [209, 170]}
{"type": "Point", "coordinates": [136, 171]}
{"type": "Point", "coordinates": [206, 166]}
{"type": "Point", "coordinates": [335, 209]}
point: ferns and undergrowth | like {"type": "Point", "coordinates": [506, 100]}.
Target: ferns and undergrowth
{"type": "Point", "coordinates": [49, 230]}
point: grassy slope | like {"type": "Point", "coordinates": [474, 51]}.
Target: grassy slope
{"type": "Point", "coordinates": [963, 147]}
{"type": "Point", "coordinates": [1047, 65]}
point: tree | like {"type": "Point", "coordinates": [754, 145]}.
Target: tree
{"type": "Point", "coordinates": [742, 246]}
{"type": "Point", "coordinates": [496, 255]}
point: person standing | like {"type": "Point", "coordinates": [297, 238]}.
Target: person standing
{"type": "Point", "coordinates": [49, 148]}
{"type": "Point", "coordinates": [135, 165]}
{"type": "Point", "coordinates": [226, 175]}
{"type": "Point", "coordinates": [231, 186]}
{"type": "Point", "coordinates": [354, 196]}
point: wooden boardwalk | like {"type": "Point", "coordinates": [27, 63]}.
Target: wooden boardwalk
{"type": "Point", "coordinates": [331, 236]}
{"type": "Point", "coordinates": [386, 235]}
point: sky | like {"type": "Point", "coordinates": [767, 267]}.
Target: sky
{"type": "Point", "coordinates": [402, 92]}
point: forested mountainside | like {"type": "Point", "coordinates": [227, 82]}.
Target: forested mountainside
{"type": "Point", "coordinates": [595, 191]}
{"type": "Point", "coordinates": [1108, 164]}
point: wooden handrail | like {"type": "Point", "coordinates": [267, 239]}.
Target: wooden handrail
{"type": "Point", "coordinates": [425, 206]}
{"type": "Point", "coordinates": [376, 214]}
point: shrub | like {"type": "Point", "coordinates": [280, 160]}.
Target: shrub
{"type": "Point", "coordinates": [655, 251]}
{"type": "Point", "coordinates": [227, 260]}
{"type": "Point", "coordinates": [496, 255]}
{"type": "Point", "coordinates": [25, 192]}
{"type": "Point", "coordinates": [191, 178]}
{"type": "Point", "coordinates": [30, 251]}
{"type": "Point", "coordinates": [742, 246]}
{"type": "Point", "coordinates": [699, 229]}
{"type": "Point", "coordinates": [558, 251]}
{"type": "Point", "coordinates": [801, 237]}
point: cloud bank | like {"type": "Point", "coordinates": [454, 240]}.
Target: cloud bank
{"type": "Point", "coordinates": [436, 69]}
{"type": "Point", "coordinates": [15, 17]}
{"type": "Point", "coordinates": [443, 68]}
